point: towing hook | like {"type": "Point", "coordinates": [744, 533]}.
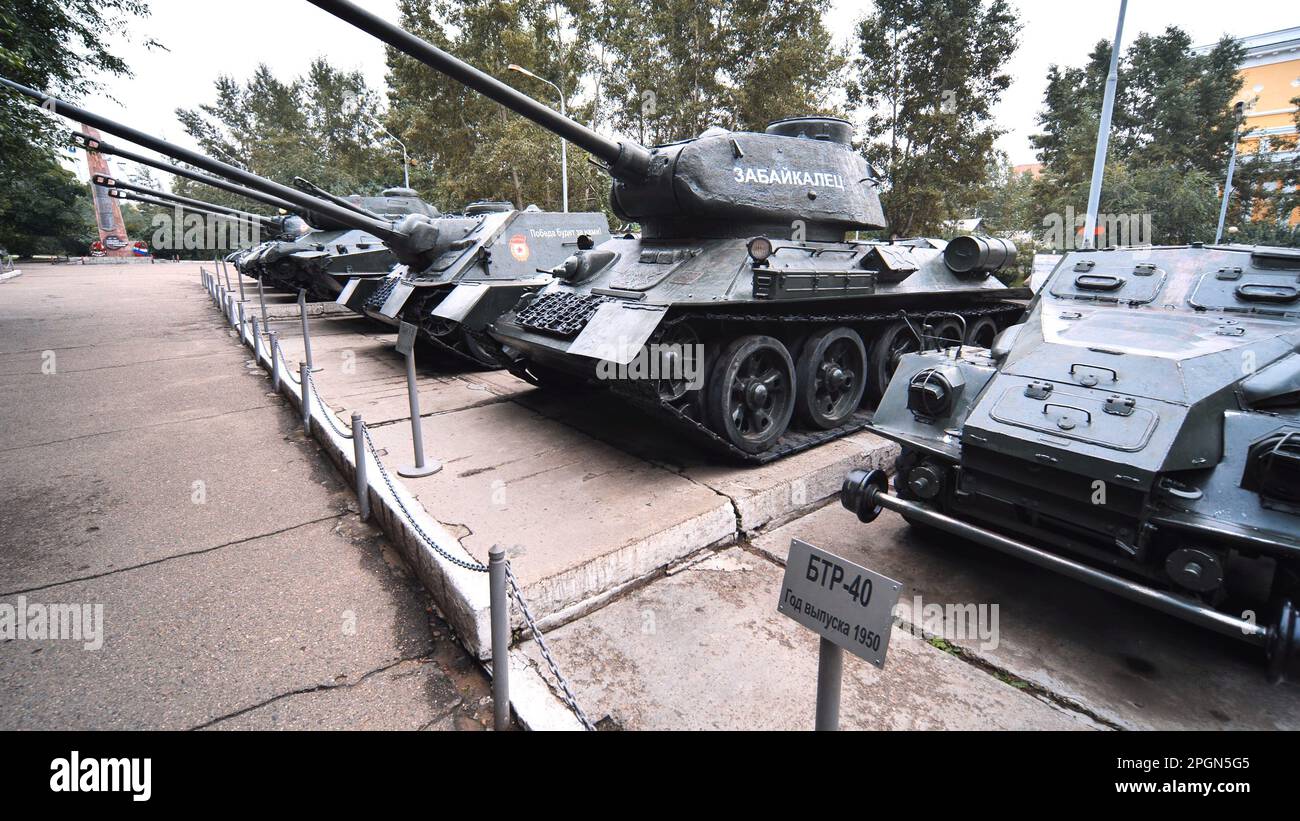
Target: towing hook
{"type": "Point", "coordinates": [858, 493]}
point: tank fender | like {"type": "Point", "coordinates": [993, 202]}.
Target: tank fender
{"type": "Point", "coordinates": [618, 331]}
{"type": "Point", "coordinates": [477, 304]}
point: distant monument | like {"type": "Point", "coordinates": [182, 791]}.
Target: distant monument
{"type": "Point", "coordinates": [113, 241]}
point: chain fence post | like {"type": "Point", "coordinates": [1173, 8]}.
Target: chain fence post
{"type": "Point", "coordinates": [242, 329]}
{"type": "Point", "coordinates": [500, 617]}
{"type": "Point", "coordinates": [304, 376]}
{"type": "Point", "coordinates": [261, 297]}
{"type": "Point", "coordinates": [421, 467]}
{"type": "Point", "coordinates": [231, 303]}
{"type": "Point", "coordinates": [226, 273]}
{"type": "Point", "coordinates": [306, 332]}
{"type": "Point", "coordinates": [359, 451]}
{"type": "Point", "coordinates": [257, 342]}
{"type": "Point", "coordinates": [275, 361]}
{"type": "Point", "coordinates": [239, 276]}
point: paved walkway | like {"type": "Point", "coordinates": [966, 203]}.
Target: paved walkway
{"type": "Point", "coordinates": [150, 472]}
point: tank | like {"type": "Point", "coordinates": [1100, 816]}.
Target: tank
{"type": "Point", "coordinates": [317, 250]}
{"type": "Point", "coordinates": [477, 263]}
{"type": "Point", "coordinates": [1139, 431]}
{"type": "Point", "coordinates": [493, 254]}
{"type": "Point", "coordinates": [739, 312]}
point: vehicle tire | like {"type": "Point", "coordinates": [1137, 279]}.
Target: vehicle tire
{"type": "Point", "coordinates": [750, 393]}
{"type": "Point", "coordinates": [981, 332]}
{"type": "Point", "coordinates": [830, 378]}
{"type": "Point", "coordinates": [893, 341]}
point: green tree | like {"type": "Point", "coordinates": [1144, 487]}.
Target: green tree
{"type": "Point", "coordinates": [56, 46]}
{"type": "Point", "coordinates": [1171, 129]}
{"type": "Point", "coordinates": [321, 126]}
{"type": "Point", "coordinates": [469, 147]}
{"type": "Point", "coordinates": [45, 210]}
{"type": "Point", "coordinates": [669, 69]}
{"type": "Point", "coordinates": [927, 76]}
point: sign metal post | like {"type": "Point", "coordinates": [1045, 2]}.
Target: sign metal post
{"type": "Point", "coordinates": [848, 606]}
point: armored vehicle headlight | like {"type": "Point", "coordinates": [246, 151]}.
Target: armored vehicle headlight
{"type": "Point", "coordinates": [930, 394]}
{"type": "Point", "coordinates": [759, 248]}
{"type": "Point", "coordinates": [1273, 469]}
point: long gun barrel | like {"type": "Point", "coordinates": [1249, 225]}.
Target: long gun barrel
{"type": "Point", "coordinates": [626, 159]}
{"type": "Point", "coordinates": [111, 184]}
{"type": "Point", "coordinates": [235, 215]}
{"type": "Point", "coordinates": [91, 144]}
{"type": "Point", "coordinates": [382, 229]}
{"type": "Point", "coordinates": [312, 188]}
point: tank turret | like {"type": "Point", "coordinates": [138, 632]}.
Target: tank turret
{"type": "Point", "coordinates": [801, 171]}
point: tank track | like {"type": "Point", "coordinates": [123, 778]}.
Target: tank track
{"type": "Point", "coordinates": [457, 346]}
{"type": "Point", "coordinates": [640, 394]}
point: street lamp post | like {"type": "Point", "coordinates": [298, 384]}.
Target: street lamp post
{"type": "Point", "coordinates": [564, 145]}
{"type": "Point", "coordinates": [1103, 136]}
{"type": "Point", "coordinates": [1239, 111]}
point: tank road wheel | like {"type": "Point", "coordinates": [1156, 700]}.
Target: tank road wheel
{"type": "Point", "coordinates": [894, 340]}
{"type": "Point", "coordinates": [751, 393]}
{"type": "Point", "coordinates": [981, 332]}
{"type": "Point", "coordinates": [830, 375]}
{"type": "Point", "coordinates": [946, 332]}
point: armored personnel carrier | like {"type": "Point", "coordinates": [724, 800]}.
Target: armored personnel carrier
{"type": "Point", "coordinates": [1139, 430]}
{"type": "Point", "coordinates": [740, 307]}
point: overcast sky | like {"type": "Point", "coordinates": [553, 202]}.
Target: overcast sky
{"type": "Point", "coordinates": [205, 39]}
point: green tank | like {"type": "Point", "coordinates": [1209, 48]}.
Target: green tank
{"type": "Point", "coordinates": [738, 312]}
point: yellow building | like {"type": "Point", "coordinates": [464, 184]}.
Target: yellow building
{"type": "Point", "coordinates": [1270, 76]}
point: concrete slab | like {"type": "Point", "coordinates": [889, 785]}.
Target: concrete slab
{"type": "Point", "coordinates": [1128, 665]}
{"type": "Point", "coordinates": [263, 603]}
{"type": "Point", "coordinates": [197, 638]}
{"type": "Point", "coordinates": [577, 517]}
{"type": "Point", "coordinates": [762, 494]}
{"type": "Point", "coordinates": [704, 648]}
{"type": "Point", "coordinates": [369, 376]}
{"type": "Point", "coordinates": [137, 496]}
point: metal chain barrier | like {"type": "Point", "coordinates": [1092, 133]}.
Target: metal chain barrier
{"type": "Point", "coordinates": [326, 412]}
{"type": "Point", "coordinates": [383, 472]}
{"type": "Point", "coordinates": [282, 360]}
{"type": "Point", "coordinates": [565, 690]}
